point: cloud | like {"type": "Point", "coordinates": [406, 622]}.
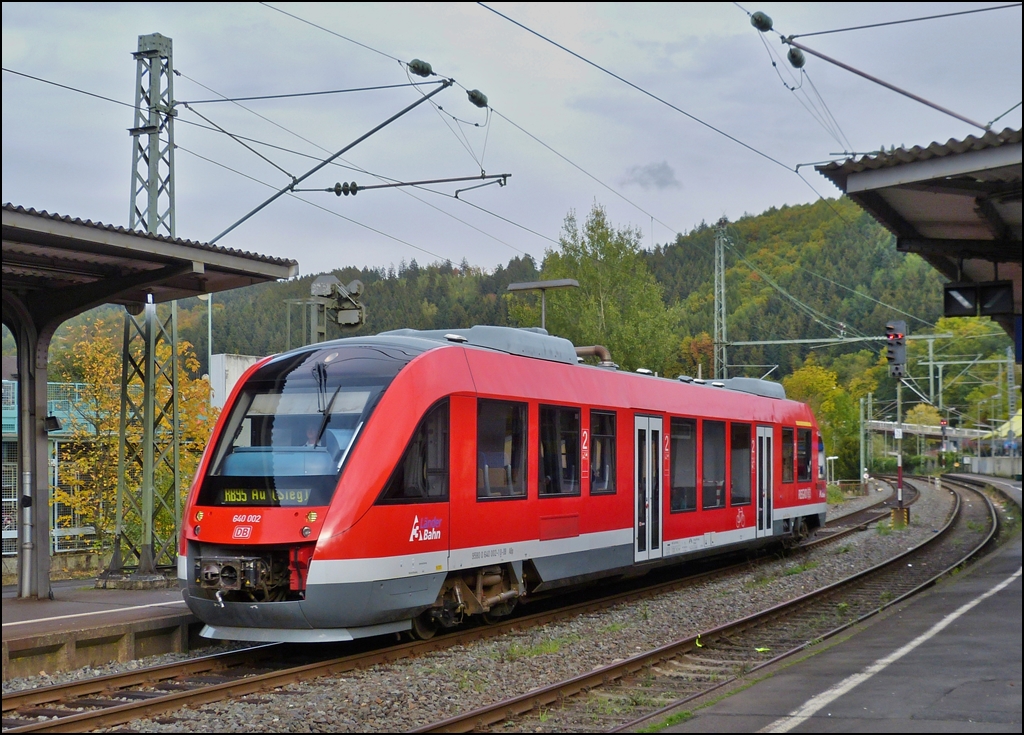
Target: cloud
{"type": "Point", "coordinates": [652, 176]}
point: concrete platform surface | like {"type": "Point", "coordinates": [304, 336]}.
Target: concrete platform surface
{"type": "Point", "coordinates": [947, 661]}
{"type": "Point", "coordinates": [85, 626]}
{"type": "Point", "coordinates": [77, 601]}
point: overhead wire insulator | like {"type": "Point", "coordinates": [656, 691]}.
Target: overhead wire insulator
{"type": "Point", "coordinates": [345, 189]}
{"type": "Point", "coordinates": [477, 97]}
{"type": "Point", "coordinates": [420, 68]}
{"type": "Point", "coordinates": [796, 57]}
{"type": "Point", "coordinates": [761, 21]}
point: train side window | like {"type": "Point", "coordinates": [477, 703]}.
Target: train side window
{"type": "Point", "coordinates": [422, 474]}
{"type": "Point", "coordinates": [713, 495]}
{"type": "Point", "coordinates": [559, 464]}
{"type": "Point", "coordinates": [787, 454]}
{"type": "Point", "coordinates": [803, 455]}
{"type": "Point", "coordinates": [683, 469]}
{"type": "Point", "coordinates": [602, 453]}
{"type": "Point", "coordinates": [740, 465]}
{"type": "Point", "coordinates": [501, 449]}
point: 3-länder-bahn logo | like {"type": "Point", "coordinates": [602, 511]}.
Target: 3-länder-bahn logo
{"type": "Point", "coordinates": [427, 530]}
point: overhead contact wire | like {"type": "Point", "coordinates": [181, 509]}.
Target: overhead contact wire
{"type": "Point", "coordinates": [350, 165]}
{"type": "Point", "coordinates": [305, 94]}
{"type": "Point", "coordinates": [239, 141]}
{"type": "Point", "coordinates": [638, 88]}
{"type": "Point", "coordinates": [333, 33]}
{"type": "Point", "coordinates": [312, 204]}
{"type": "Point", "coordinates": [899, 22]}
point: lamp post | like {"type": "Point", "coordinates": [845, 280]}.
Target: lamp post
{"type": "Point", "coordinates": [830, 469]}
{"type": "Point", "coordinates": [543, 287]}
{"type": "Point", "coordinates": [208, 298]}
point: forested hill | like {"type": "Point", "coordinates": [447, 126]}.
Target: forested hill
{"type": "Point", "coordinates": [830, 256]}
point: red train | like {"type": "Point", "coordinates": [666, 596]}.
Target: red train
{"type": "Point", "coordinates": [404, 481]}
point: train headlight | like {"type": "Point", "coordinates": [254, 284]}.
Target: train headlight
{"type": "Point", "coordinates": [199, 516]}
{"type": "Point", "coordinates": [195, 530]}
{"type": "Point", "coordinates": [306, 530]}
{"type": "Point", "coordinates": [311, 516]}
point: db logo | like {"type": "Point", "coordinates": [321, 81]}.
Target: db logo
{"type": "Point", "coordinates": [242, 532]}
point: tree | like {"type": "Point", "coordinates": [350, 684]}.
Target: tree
{"type": "Point", "coordinates": [698, 355]}
{"type": "Point", "coordinates": [834, 409]}
{"type": "Point", "coordinates": [618, 304]}
{"type": "Point", "coordinates": [924, 415]}
{"type": "Point", "coordinates": [89, 457]}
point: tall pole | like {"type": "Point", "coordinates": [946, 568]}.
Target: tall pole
{"type": "Point", "coordinates": [148, 490]}
{"type": "Point", "coordinates": [871, 417]}
{"type": "Point", "coordinates": [940, 386]}
{"type": "Point", "coordinates": [209, 334]}
{"type": "Point", "coordinates": [931, 371]}
{"type": "Point", "coordinates": [863, 464]}
{"type": "Point", "coordinates": [152, 193]}
{"type": "Point", "coordinates": [1011, 402]}
{"type": "Point", "coordinates": [720, 337]}
{"type": "Point", "coordinates": [899, 443]}
{"type": "Point", "coordinates": [1011, 387]}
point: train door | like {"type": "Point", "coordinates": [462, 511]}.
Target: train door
{"type": "Point", "coordinates": [765, 481]}
{"type": "Point", "coordinates": [647, 474]}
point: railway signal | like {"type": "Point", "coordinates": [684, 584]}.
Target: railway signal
{"type": "Point", "coordinates": [896, 348]}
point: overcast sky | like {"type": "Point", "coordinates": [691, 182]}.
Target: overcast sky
{"type": "Point", "coordinates": [69, 153]}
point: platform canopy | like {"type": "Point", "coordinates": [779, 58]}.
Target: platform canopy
{"type": "Point", "coordinates": [957, 204]}
{"type": "Point", "coordinates": [47, 255]}
{"type": "Point", "coordinates": [56, 267]}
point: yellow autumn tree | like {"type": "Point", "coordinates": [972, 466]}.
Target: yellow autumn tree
{"type": "Point", "coordinates": [834, 410]}
{"type": "Point", "coordinates": [924, 415]}
{"type": "Point", "coordinates": [91, 358]}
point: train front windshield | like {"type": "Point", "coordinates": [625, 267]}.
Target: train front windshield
{"type": "Point", "coordinates": [291, 428]}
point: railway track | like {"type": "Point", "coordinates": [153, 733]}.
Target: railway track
{"type": "Point", "coordinates": [116, 699]}
{"type": "Point", "coordinates": [861, 519]}
{"type": "Point", "coordinates": [627, 695]}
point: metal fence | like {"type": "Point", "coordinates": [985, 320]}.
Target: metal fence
{"type": "Point", "coordinates": [10, 495]}
{"type": "Point", "coordinates": [69, 532]}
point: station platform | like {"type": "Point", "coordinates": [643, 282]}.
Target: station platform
{"type": "Point", "coordinates": [948, 660]}
{"type": "Point", "coordinates": [85, 626]}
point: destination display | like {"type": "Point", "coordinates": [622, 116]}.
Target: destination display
{"type": "Point", "coordinates": [264, 496]}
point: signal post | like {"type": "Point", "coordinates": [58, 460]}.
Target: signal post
{"type": "Point", "coordinates": [896, 354]}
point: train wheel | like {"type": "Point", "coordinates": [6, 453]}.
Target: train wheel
{"type": "Point", "coordinates": [424, 627]}
{"type": "Point", "coordinates": [498, 612]}
{"type": "Point", "coordinates": [798, 535]}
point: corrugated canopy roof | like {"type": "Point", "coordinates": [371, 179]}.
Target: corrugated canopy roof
{"type": "Point", "coordinates": [49, 256]}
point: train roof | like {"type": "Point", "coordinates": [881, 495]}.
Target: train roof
{"type": "Point", "coordinates": [531, 342]}
{"type": "Point", "coordinates": [537, 343]}
{"type": "Point", "coordinates": [526, 342]}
